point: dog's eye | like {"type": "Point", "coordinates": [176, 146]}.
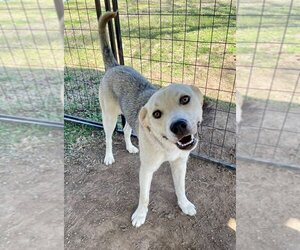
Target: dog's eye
{"type": "Point", "coordinates": [184, 99]}
{"type": "Point", "coordinates": [157, 114]}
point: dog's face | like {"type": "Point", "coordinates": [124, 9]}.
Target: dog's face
{"type": "Point", "coordinates": [173, 114]}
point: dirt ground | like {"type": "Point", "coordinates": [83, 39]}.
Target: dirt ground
{"type": "Point", "coordinates": [31, 177]}
{"type": "Point", "coordinates": [266, 202]}
{"type": "Point", "coordinates": [99, 201]}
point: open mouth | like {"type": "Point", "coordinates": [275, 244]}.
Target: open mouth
{"type": "Point", "coordinates": [186, 142]}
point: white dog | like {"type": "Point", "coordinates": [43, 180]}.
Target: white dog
{"type": "Point", "coordinates": [165, 120]}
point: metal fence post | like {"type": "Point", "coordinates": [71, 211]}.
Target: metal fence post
{"type": "Point", "coordinates": [118, 32]}
{"type": "Point", "coordinates": [98, 8]}
{"type": "Point", "coordinates": [119, 42]}
{"type": "Point", "coordinates": [111, 30]}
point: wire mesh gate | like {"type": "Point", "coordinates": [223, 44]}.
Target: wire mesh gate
{"type": "Point", "coordinates": [268, 79]}
{"type": "Point", "coordinates": [189, 42]}
{"type": "Point", "coordinates": [31, 63]}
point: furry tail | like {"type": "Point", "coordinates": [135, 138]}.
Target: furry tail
{"type": "Point", "coordinates": [108, 57]}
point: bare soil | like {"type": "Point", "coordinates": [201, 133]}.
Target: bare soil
{"type": "Point", "coordinates": [31, 177]}
{"type": "Point", "coordinates": [99, 201]}
{"type": "Point", "coordinates": [267, 200]}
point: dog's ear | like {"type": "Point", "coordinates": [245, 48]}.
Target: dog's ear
{"type": "Point", "coordinates": [143, 116]}
{"type": "Point", "coordinates": [198, 93]}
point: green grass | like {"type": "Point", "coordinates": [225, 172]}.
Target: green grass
{"type": "Point", "coordinates": [162, 40]}
{"type": "Point", "coordinates": [24, 41]}
{"type": "Point", "coordinates": [81, 93]}
{"type": "Point", "coordinates": [12, 134]}
{"type": "Point", "coordinates": [74, 132]}
{"type": "Point", "coordinates": [31, 93]}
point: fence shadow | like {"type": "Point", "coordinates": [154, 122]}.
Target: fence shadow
{"type": "Point", "coordinates": [32, 93]}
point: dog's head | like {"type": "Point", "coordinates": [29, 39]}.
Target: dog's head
{"type": "Point", "coordinates": [173, 114]}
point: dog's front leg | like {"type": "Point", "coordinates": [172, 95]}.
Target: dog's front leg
{"type": "Point", "coordinates": [178, 168]}
{"type": "Point", "coordinates": [145, 178]}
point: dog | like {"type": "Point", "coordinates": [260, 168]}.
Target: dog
{"type": "Point", "coordinates": [165, 120]}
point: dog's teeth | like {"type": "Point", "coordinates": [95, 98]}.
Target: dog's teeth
{"type": "Point", "coordinates": [186, 144]}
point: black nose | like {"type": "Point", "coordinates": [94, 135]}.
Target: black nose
{"type": "Point", "coordinates": [179, 127]}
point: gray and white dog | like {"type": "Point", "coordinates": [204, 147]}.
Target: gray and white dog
{"type": "Point", "coordinates": [164, 119]}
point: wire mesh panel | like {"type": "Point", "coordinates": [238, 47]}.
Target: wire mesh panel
{"type": "Point", "coordinates": [83, 64]}
{"type": "Point", "coordinates": [268, 81]}
{"type": "Point", "coordinates": [191, 42]}
{"type": "Point", "coordinates": [31, 60]}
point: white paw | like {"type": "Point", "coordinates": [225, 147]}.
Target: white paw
{"type": "Point", "coordinates": [109, 159]}
{"type": "Point", "coordinates": [188, 208]}
{"type": "Point", "coordinates": [139, 217]}
{"type": "Point", "coordinates": [132, 149]}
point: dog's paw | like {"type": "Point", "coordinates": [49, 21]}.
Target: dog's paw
{"type": "Point", "coordinates": [188, 208]}
{"type": "Point", "coordinates": [132, 149]}
{"type": "Point", "coordinates": [109, 159]}
{"type": "Point", "coordinates": [139, 216]}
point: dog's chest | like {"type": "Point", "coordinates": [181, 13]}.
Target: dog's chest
{"type": "Point", "coordinates": [174, 154]}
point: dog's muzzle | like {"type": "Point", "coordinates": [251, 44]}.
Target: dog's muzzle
{"type": "Point", "coordinates": [186, 140]}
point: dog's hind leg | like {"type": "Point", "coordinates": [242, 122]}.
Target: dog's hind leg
{"type": "Point", "coordinates": [109, 124]}
{"type": "Point", "coordinates": [127, 133]}
{"type": "Point", "coordinates": [110, 111]}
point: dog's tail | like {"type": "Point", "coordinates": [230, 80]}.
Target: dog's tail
{"type": "Point", "coordinates": [108, 57]}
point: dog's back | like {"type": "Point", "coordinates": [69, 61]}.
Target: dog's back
{"type": "Point", "coordinates": [127, 86]}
